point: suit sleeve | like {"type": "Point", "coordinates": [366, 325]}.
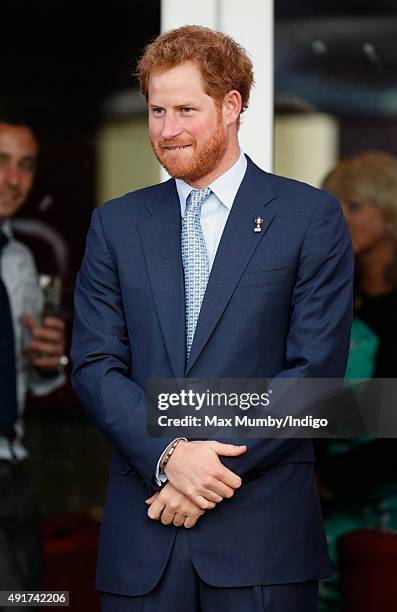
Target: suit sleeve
{"type": "Point", "coordinates": [101, 359]}
{"type": "Point", "coordinates": [320, 323]}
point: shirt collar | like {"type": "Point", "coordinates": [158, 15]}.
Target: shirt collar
{"type": "Point", "coordinates": [225, 187]}
{"type": "Point", "coordinates": [6, 228]}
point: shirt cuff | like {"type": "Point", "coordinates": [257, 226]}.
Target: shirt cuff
{"type": "Point", "coordinates": [41, 385]}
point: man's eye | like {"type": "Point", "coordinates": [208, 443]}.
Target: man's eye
{"type": "Point", "coordinates": [28, 165]}
{"type": "Point", "coordinates": [186, 110]}
{"type": "Point", "coordinates": [158, 111]}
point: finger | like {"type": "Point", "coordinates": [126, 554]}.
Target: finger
{"type": "Point", "coordinates": [45, 333]}
{"type": "Point", "coordinates": [167, 516]}
{"type": "Point", "coordinates": [28, 321]}
{"type": "Point", "coordinates": [45, 363]}
{"type": "Point", "coordinates": [179, 520]}
{"type": "Point", "coordinates": [37, 346]}
{"type": "Point", "coordinates": [204, 503]}
{"type": "Point", "coordinates": [228, 450]}
{"type": "Point", "coordinates": [222, 489]}
{"type": "Point", "coordinates": [229, 478]}
{"type": "Point", "coordinates": [151, 499]}
{"type": "Point", "coordinates": [211, 495]}
{"type": "Point", "coordinates": [190, 521]}
{"type": "Point", "coordinates": [189, 508]}
{"type": "Point", "coordinates": [156, 509]}
{"type": "Point", "coordinates": [54, 323]}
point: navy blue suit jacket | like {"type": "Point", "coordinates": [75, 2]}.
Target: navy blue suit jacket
{"type": "Point", "coordinates": [278, 303]}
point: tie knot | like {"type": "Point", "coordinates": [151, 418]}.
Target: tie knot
{"type": "Point", "coordinates": [3, 240]}
{"type": "Point", "coordinates": [196, 198]}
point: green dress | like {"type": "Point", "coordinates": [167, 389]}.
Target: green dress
{"type": "Point", "coordinates": [344, 515]}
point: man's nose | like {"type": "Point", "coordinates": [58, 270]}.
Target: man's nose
{"type": "Point", "coordinates": [171, 127]}
{"type": "Point", "coordinates": [12, 175]}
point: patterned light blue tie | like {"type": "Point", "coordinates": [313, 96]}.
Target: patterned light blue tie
{"type": "Point", "coordinates": [195, 260]}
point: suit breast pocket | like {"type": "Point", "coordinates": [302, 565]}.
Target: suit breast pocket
{"type": "Point", "coordinates": [269, 279]}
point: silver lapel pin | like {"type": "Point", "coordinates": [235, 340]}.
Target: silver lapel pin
{"type": "Point", "coordinates": [258, 223]}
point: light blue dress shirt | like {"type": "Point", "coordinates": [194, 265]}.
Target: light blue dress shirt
{"type": "Point", "coordinates": [214, 214]}
{"type": "Point", "coordinates": [216, 208]}
{"type": "Point", "coordinates": [18, 271]}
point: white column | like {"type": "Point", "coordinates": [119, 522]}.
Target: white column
{"type": "Point", "coordinates": [251, 24]}
{"type": "Point", "coordinates": [176, 13]}
{"type": "Point", "coordinates": [307, 146]}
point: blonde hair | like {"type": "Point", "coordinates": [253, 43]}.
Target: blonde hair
{"type": "Point", "coordinates": [369, 177]}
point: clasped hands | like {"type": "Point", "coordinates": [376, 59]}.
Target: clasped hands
{"type": "Point", "coordinates": [197, 481]}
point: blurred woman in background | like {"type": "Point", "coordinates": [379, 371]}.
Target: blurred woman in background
{"type": "Point", "coordinates": [357, 478]}
{"type": "Point", "coordinates": [366, 186]}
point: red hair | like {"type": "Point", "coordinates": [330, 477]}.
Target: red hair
{"type": "Point", "coordinates": [223, 63]}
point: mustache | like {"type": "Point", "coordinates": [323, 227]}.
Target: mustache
{"type": "Point", "coordinates": [173, 143]}
{"type": "Point", "coordinates": [10, 192]}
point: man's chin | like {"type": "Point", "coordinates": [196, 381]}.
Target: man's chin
{"type": "Point", "coordinates": [177, 171]}
{"type": "Point", "coordinates": [7, 211]}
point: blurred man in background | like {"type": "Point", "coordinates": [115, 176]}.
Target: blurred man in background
{"type": "Point", "coordinates": [31, 358]}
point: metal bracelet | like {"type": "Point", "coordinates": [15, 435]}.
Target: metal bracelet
{"type": "Point", "coordinates": [169, 452]}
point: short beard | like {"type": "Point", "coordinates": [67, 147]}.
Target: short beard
{"type": "Point", "coordinates": [206, 157]}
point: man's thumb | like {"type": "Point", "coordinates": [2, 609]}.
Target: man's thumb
{"type": "Point", "coordinates": [229, 450]}
{"type": "Point", "coordinates": [28, 321]}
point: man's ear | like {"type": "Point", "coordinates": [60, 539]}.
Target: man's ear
{"type": "Point", "coordinates": [232, 104]}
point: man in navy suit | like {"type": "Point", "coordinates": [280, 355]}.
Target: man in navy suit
{"type": "Point", "coordinates": [176, 283]}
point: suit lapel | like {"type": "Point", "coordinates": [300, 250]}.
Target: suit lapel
{"type": "Point", "coordinates": [236, 248]}
{"type": "Point", "coordinates": [161, 238]}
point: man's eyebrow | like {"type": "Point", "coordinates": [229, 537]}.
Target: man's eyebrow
{"type": "Point", "coordinates": [23, 158]}
{"type": "Point", "coordinates": [183, 105]}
